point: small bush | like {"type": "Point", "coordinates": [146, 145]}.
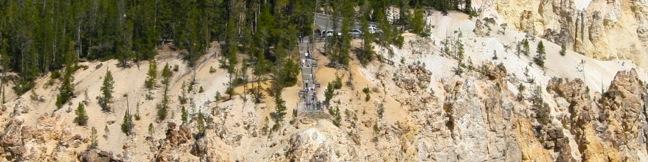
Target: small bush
{"type": "Point", "coordinates": [55, 75]}
{"type": "Point", "coordinates": [366, 92]}
{"type": "Point", "coordinates": [151, 130]}
{"type": "Point", "coordinates": [381, 111]}
{"type": "Point", "coordinates": [230, 92]}
{"type": "Point", "coordinates": [218, 96]}
{"type": "Point", "coordinates": [137, 113]}
{"type": "Point", "coordinates": [200, 125]}
{"type": "Point", "coordinates": [399, 41]}
{"type": "Point", "coordinates": [335, 113]}
{"type": "Point", "coordinates": [161, 112]}
{"type": "Point", "coordinates": [337, 84]}
{"type": "Point", "coordinates": [212, 70]}
{"type": "Point", "coordinates": [23, 86]}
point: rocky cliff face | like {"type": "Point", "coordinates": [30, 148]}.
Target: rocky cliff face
{"type": "Point", "coordinates": [413, 114]}
{"type": "Point", "coordinates": [624, 111]}
{"type": "Point", "coordinates": [476, 98]}
{"type": "Point", "coordinates": [610, 29]}
{"type": "Point", "coordinates": [48, 141]}
{"type": "Point", "coordinates": [611, 127]}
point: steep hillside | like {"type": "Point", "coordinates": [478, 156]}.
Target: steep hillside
{"type": "Point", "coordinates": [470, 91]}
{"type": "Point", "coordinates": [612, 29]}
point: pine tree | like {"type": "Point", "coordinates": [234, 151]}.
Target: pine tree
{"type": "Point", "coordinates": [200, 125]}
{"type": "Point", "coordinates": [185, 115]}
{"type": "Point", "coordinates": [164, 105]}
{"type": "Point", "coordinates": [525, 47]}
{"type": "Point", "coordinates": [106, 91]}
{"type": "Point", "coordinates": [468, 8]}
{"type": "Point", "coordinates": [66, 91]}
{"type": "Point", "coordinates": [280, 111]}
{"type": "Point", "coordinates": [563, 50]}
{"type": "Point", "coordinates": [151, 75]}
{"type": "Point", "coordinates": [328, 94]}
{"type": "Point", "coordinates": [127, 124]}
{"type": "Point", "coordinates": [124, 43]}
{"type": "Point", "coordinates": [195, 37]}
{"type": "Point", "coordinates": [93, 138]}
{"type": "Point", "coordinates": [418, 23]}
{"type": "Point", "coordinates": [166, 74]}
{"type": "Point", "coordinates": [4, 64]}
{"type": "Point", "coordinates": [335, 114]}
{"type": "Point", "coordinates": [288, 74]}
{"type": "Point", "coordinates": [404, 16]}
{"type": "Point", "coordinates": [459, 46]}
{"type": "Point", "coordinates": [442, 5]}
{"type": "Point", "coordinates": [151, 130]}
{"type": "Point", "coordinates": [231, 42]}
{"type": "Point", "coordinates": [344, 46]}
{"type": "Point", "coordinates": [540, 57]}
{"type": "Point", "coordinates": [367, 53]}
{"type": "Point", "coordinates": [143, 14]}
{"type": "Point", "coordinates": [106, 131]}
{"type": "Point", "coordinates": [137, 112]}
{"type": "Point", "coordinates": [81, 115]}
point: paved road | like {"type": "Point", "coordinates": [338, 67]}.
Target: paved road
{"type": "Point", "coordinates": [309, 102]}
{"type": "Point", "coordinates": [324, 22]}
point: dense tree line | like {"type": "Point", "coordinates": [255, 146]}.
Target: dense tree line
{"type": "Point", "coordinates": [35, 34]}
{"type": "Point", "coordinates": [39, 36]}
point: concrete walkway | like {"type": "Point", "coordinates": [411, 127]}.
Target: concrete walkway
{"type": "Point", "coordinates": [308, 98]}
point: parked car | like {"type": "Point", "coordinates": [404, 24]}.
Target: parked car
{"type": "Point", "coordinates": [356, 33]}
{"type": "Point", "coordinates": [329, 33]}
{"type": "Point", "coordinates": [374, 30]}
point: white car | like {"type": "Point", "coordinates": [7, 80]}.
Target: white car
{"type": "Point", "coordinates": [374, 30]}
{"type": "Point", "coordinates": [329, 33]}
{"type": "Point", "coordinates": [356, 33]}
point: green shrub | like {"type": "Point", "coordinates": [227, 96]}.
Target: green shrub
{"type": "Point", "coordinates": [127, 124]}
{"type": "Point", "coordinates": [106, 91]}
{"type": "Point", "coordinates": [81, 115]}
{"type": "Point", "coordinates": [151, 75]}
{"type": "Point", "coordinates": [335, 113]}
{"type": "Point", "coordinates": [367, 93]}
{"type": "Point", "coordinates": [540, 57]}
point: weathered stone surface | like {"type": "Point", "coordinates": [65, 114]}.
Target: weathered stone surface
{"type": "Point", "coordinates": [94, 155]}
{"type": "Point", "coordinates": [199, 147]}
{"type": "Point", "coordinates": [12, 140]}
{"type": "Point", "coordinates": [413, 78]}
{"type": "Point", "coordinates": [175, 141]}
{"type": "Point", "coordinates": [179, 136]}
{"type": "Point", "coordinates": [624, 112]}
